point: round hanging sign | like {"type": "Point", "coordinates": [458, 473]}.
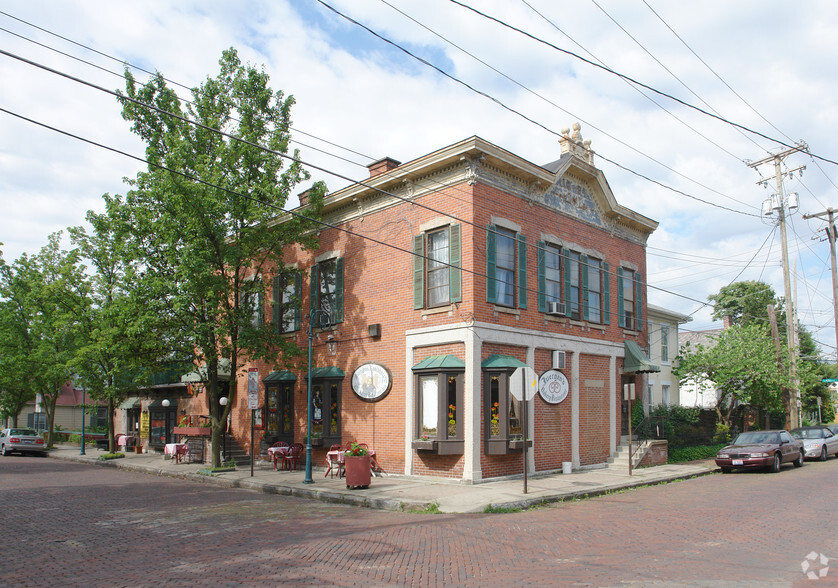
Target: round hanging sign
{"type": "Point", "coordinates": [552, 386]}
{"type": "Point", "coordinates": [371, 382]}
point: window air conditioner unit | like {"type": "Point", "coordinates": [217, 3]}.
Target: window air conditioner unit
{"type": "Point", "coordinates": [555, 308]}
{"type": "Point", "coordinates": [558, 360]}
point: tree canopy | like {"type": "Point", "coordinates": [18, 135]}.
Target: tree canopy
{"type": "Point", "coordinates": [206, 219]}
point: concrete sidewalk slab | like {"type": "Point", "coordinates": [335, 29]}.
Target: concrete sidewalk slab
{"type": "Point", "coordinates": [397, 492]}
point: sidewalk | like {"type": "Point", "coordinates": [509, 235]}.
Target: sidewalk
{"type": "Point", "coordinates": [398, 492]}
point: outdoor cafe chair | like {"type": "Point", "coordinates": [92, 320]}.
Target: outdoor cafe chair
{"type": "Point", "coordinates": [333, 460]}
{"type": "Point", "coordinates": [292, 458]}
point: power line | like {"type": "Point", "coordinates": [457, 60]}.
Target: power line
{"type": "Point", "coordinates": [632, 80]}
{"type": "Point", "coordinates": [520, 114]}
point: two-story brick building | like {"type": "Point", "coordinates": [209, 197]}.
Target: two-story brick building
{"type": "Point", "coordinates": [443, 275]}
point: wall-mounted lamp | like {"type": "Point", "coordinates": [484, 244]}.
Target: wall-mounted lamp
{"type": "Point", "coordinates": [166, 403]}
{"type": "Point", "coordinates": [331, 344]}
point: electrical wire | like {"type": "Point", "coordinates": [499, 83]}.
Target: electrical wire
{"type": "Point", "coordinates": [632, 80]}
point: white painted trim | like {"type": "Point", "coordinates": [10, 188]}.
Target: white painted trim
{"type": "Point", "coordinates": [574, 410]}
{"type": "Point", "coordinates": [503, 223]}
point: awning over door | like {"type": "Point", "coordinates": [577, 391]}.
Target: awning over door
{"type": "Point", "coordinates": [159, 404]}
{"type": "Point", "coordinates": [327, 372]}
{"type": "Point", "coordinates": [636, 361]}
{"type": "Point", "coordinates": [283, 376]}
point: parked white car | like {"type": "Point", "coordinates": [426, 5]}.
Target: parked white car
{"type": "Point", "coordinates": [818, 442]}
{"type": "Point", "coordinates": [22, 441]}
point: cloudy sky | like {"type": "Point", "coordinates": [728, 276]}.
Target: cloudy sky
{"type": "Point", "coordinates": [766, 66]}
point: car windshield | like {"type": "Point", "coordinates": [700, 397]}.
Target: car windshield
{"type": "Point", "coordinates": [808, 434]}
{"type": "Point", "coordinates": [31, 432]}
{"type": "Point", "coordinates": [756, 437]}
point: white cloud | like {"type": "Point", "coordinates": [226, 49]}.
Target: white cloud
{"type": "Point", "coordinates": [359, 92]}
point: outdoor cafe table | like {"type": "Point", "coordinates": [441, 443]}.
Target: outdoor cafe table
{"type": "Point", "coordinates": [175, 450]}
{"type": "Point", "coordinates": [277, 453]}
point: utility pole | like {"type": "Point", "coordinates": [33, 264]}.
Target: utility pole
{"type": "Point", "coordinates": [831, 237]}
{"type": "Point", "coordinates": [779, 204]}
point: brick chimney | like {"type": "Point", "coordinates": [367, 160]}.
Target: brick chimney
{"type": "Point", "coordinates": [303, 196]}
{"type": "Point", "coordinates": [382, 166]}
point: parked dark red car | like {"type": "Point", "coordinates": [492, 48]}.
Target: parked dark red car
{"type": "Point", "coordinates": [761, 449]}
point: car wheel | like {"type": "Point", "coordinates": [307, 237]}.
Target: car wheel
{"type": "Point", "coordinates": [725, 470]}
{"type": "Point", "coordinates": [823, 453]}
{"type": "Point", "coordinates": [798, 463]}
{"type": "Point", "coordinates": [775, 465]}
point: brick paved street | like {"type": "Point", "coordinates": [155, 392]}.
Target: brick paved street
{"type": "Point", "coordinates": [73, 524]}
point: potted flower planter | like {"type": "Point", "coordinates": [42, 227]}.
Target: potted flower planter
{"type": "Point", "coordinates": [357, 471]}
{"type": "Point", "coordinates": [138, 448]}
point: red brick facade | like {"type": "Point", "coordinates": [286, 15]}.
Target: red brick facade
{"type": "Point", "coordinates": [568, 204]}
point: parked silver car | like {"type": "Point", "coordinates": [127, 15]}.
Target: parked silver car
{"type": "Point", "coordinates": [22, 441]}
{"type": "Point", "coordinates": [818, 441]}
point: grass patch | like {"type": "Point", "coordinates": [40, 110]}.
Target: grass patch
{"type": "Point", "coordinates": [109, 456]}
{"type": "Point", "coordinates": [432, 508]}
{"type": "Point", "coordinates": [492, 509]}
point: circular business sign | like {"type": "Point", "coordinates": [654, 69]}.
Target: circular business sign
{"type": "Point", "coordinates": [371, 382]}
{"type": "Point", "coordinates": [552, 386]}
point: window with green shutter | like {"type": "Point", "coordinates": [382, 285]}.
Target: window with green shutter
{"type": "Point", "coordinates": [506, 267]}
{"type": "Point", "coordinates": [326, 288]}
{"type": "Point", "coordinates": [287, 311]}
{"type": "Point", "coordinates": [437, 273]}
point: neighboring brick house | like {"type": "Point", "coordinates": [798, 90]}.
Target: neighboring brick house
{"type": "Point", "coordinates": [443, 275]}
{"type": "Point", "coordinates": [663, 346]}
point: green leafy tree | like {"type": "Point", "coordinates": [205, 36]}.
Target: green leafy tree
{"type": "Point", "coordinates": [45, 289]}
{"type": "Point", "coordinates": [746, 303]}
{"type": "Point", "coordinates": [742, 365]}
{"type": "Point", "coordinates": [205, 221]}
{"type": "Point", "coordinates": [120, 342]}
{"type": "Point", "coordinates": [15, 386]}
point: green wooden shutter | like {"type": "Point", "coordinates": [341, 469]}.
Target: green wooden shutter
{"type": "Point", "coordinates": [455, 259]}
{"type": "Point", "coordinates": [606, 294]}
{"type": "Point", "coordinates": [277, 303]}
{"type": "Point", "coordinates": [566, 269]}
{"type": "Point", "coordinates": [583, 269]}
{"type": "Point", "coordinates": [491, 264]}
{"type": "Point", "coordinates": [298, 301]}
{"type": "Point", "coordinates": [419, 271]}
{"type": "Point", "coordinates": [338, 318]}
{"type": "Point", "coordinates": [314, 288]}
{"type": "Point", "coordinates": [542, 276]}
{"type": "Point", "coordinates": [621, 311]}
{"type": "Point", "coordinates": [522, 271]}
{"type": "Point", "coordinates": [638, 302]}
{"type": "Point", "coordinates": [260, 298]}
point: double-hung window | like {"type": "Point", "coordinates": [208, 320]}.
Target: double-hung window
{"type": "Point", "coordinates": [436, 267]}
{"type": "Point", "coordinates": [664, 343]}
{"type": "Point", "coordinates": [326, 288]}
{"type": "Point", "coordinates": [287, 290]}
{"type": "Point", "coordinates": [506, 267]}
{"type": "Point", "coordinates": [251, 304]}
{"type": "Point", "coordinates": [629, 299]}
{"type": "Point", "coordinates": [579, 281]}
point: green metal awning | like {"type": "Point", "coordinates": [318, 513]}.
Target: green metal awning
{"type": "Point", "coordinates": [636, 361]}
{"type": "Point", "coordinates": [282, 376]}
{"type": "Point", "coordinates": [159, 403]}
{"type": "Point", "coordinates": [441, 362]}
{"type": "Point", "coordinates": [130, 402]}
{"type": "Point", "coordinates": [327, 372]}
{"type": "Point", "coordinates": [498, 361]}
